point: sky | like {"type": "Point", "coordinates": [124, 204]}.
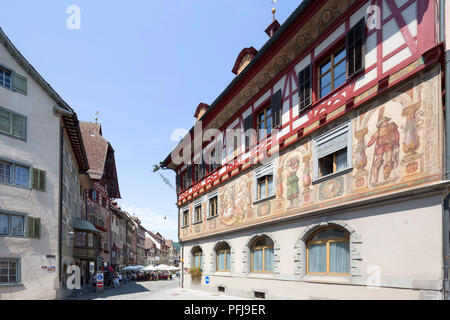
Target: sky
{"type": "Point", "coordinates": [145, 66]}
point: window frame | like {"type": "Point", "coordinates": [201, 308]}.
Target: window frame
{"type": "Point", "coordinates": [194, 220]}
{"type": "Point", "coordinates": [11, 77]}
{"type": "Point", "coordinates": [198, 251]}
{"type": "Point", "coordinates": [13, 165]}
{"type": "Point", "coordinates": [265, 171]}
{"type": "Point", "coordinates": [18, 271]}
{"type": "Point", "coordinates": [185, 212]}
{"type": "Point", "coordinates": [326, 137]}
{"type": "Point", "coordinates": [261, 110]}
{"type": "Point", "coordinates": [219, 251]}
{"type": "Point", "coordinates": [330, 56]}
{"type": "Point", "coordinates": [327, 242]}
{"type": "Point", "coordinates": [11, 214]}
{"type": "Point", "coordinates": [214, 195]}
{"type": "Point", "coordinates": [263, 247]}
{"type": "Point", "coordinates": [11, 123]}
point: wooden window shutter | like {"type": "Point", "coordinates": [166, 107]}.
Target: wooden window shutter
{"type": "Point", "coordinates": [34, 228]}
{"type": "Point", "coordinates": [20, 83]}
{"type": "Point", "coordinates": [189, 175]}
{"type": "Point", "coordinates": [39, 177]}
{"type": "Point", "coordinates": [178, 183]}
{"type": "Point", "coordinates": [304, 88]}
{"type": "Point", "coordinates": [276, 105]}
{"type": "Point", "coordinates": [248, 124]}
{"type": "Point", "coordinates": [355, 43]}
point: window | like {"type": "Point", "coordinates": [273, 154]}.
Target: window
{"type": "Point", "coordinates": [94, 195]}
{"type": "Point", "coordinates": [333, 152]}
{"type": "Point", "coordinates": [213, 212]}
{"type": "Point", "coordinates": [12, 224]}
{"type": "Point", "coordinates": [328, 252]}
{"type": "Point", "coordinates": [5, 78]}
{"type": "Point", "coordinates": [14, 173]}
{"type": "Point", "coordinates": [197, 260]}
{"type": "Point", "coordinates": [355, 42]}
{"type": "Point", "coordinates": [332, 72]}
{"type": "Point", "coordinates": [223, 259]}
{"type": "Point", "coordinates": [9, 271]}
{"type": "Point", "coordinates": [304, 88]}
{"type": "Point", "coordinates": [185, 218]}
{"type": "Point", "coordinates": [185, 185]}
{"type": "Point", "coordinates": [198, 213]}
{"type": "Point", "coordinates": [262, 255]}
{"type": "Point", "coordinates": [264, 182]}
{"type": "Point", "coordinates": [12, 124]}
{"type": "Point", "coordinates": [264, 123]}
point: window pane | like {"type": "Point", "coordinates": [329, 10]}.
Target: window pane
{"type": "Point", "coordinates": [262, 188]}
{"type": "Point", "coordinates": [17, 224]}
{"type": "Point", "coordinates": [317, 258]}
{"type": "Point", "coordinates": [270, 187]}
{"type": "Point", "coordinates": [329, 233]}
{"type": "Point", "coordinates": [268, 112]}
{"type": "Point", "coordinates": [325, 67]}
{"type": "Point", "coordinates": [339, 257]}
{"type": "Point", "coordinates": [5, 122]}
{"type": "Point", "coordinates": [22, 176]}
{"type": "Point", "coordinates": [228, 261]}
{"type": "Point", "coordinates": [221, 261]}
{"type": "Point", "coordinates": [341, 159]}
{"type": "Point", "coordinates": [268, 262]}
{"type": "Point", "coordinates": [4, 224]}
{"type": "Point", "coordinates": [339, 55]}
{"type": "Point", "coordinates": [257, 260]}
{"type": "Point", "coordinates": [5, 172]}
{"type": "Point", "coordinates": [325, 80]}
{"type": "Point", "coordinates": [325, 90]}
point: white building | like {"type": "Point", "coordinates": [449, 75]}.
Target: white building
{"type": "Point", "coordinates": [40, 191]}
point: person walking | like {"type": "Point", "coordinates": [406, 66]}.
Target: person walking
{"type": "Point", "coordinates": [120, 279]}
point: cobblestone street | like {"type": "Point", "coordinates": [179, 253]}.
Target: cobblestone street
{"type": "Point", "coordinates": [150, 290]}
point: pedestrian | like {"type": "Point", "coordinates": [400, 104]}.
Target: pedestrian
{"type": "Point", "coordinates": [116, 281]}
{"type": "Point", "coordinates": [120, 279]}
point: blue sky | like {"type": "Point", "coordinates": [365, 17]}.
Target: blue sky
{"type": "Point", "coordinates": [145, 66]}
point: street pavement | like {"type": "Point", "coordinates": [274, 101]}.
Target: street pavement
{"type": "Point", "coordinates": [149, 290]}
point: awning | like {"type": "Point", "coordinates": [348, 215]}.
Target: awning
{"type": "Point", "coordinates": [83, 225]}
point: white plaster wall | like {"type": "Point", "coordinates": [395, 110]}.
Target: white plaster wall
{"type": "Point", "coordinates": [402, 240]}
{"type": "Point", "coordinates": [41, 150]}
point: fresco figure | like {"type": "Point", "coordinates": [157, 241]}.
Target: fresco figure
{"type": "Point", "coordinates": [293, 188]}
{"type": "Point", "coordinates": [387, 143]}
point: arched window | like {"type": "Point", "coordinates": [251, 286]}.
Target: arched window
{"type": "Point", "coordinates": [327, 252]}
{"type": "Point", "coordinates": [223, 257]}
{"type": "Point", "coordinates": [262, 255]}
{"type": "Point", "coordinates": [198, 257]}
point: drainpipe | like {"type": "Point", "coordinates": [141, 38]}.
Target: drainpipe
{"type": "Point", "coordinates": [60, 112]}
{"type": "Point", "coordinates": [446, 211]}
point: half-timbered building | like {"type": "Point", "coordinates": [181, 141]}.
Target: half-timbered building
{"type": "Point", "coordinates": [340, 192]}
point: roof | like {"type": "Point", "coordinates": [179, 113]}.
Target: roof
{"type": "Point", "coordinates": [96, 148]}
{"type": "Point", "coordinates": [301, 9]}
{"type": "Point", "coordinates": [83, 225]}
{"type": "Point", "coordinates": [70, 121]}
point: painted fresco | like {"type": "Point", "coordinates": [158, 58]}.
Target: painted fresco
{"type": "Point", "coordinates": [396, 144]}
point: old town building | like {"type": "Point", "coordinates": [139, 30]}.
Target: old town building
{"type": "Point", "coordinates": [335, 183]}
{"type": "Point", "coordinates": [43, 178]}
{"type": "Point", "coordinates": [105, 185]}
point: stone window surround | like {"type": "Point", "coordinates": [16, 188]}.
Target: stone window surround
{"type": "Point", "coordinates": [355, 243]}
{"type": "Point", "coordinates": [246, 252]}
{"type": "Point", "coordinates": [213, 258]}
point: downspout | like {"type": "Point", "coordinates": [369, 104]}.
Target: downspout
{"type": "Point", "coordinates": [62, 112]}
{"type": "Point", "coordinates": [446, 211]}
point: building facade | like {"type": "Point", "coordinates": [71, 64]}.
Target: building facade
{"type": "Point", "coordinates": [105, 186]}
{"type": "Point", "coordinates": [335, 183]}
{"type": "Point", "coordinates": [42, 179]}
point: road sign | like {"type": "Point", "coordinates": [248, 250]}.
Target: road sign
{"type": "Point", "coordinates": [207, 280]}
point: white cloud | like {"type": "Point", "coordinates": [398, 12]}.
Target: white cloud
{"type": "Point", "coordinates": [154, 221]}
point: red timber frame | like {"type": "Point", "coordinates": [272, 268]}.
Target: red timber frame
{"type": "Point", "coordinates": [324, 110]}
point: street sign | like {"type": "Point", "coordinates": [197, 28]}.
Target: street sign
{"type": "Point", "coordinates": [207, 280]}
{"type": "Point", "coordinates": [100, 285]}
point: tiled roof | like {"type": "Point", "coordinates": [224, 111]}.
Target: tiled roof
{"type": "Point", "coordinates": [96, 148]}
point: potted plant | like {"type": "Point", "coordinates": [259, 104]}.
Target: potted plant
{"type": "Point", "coordinates": [195, 271]}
